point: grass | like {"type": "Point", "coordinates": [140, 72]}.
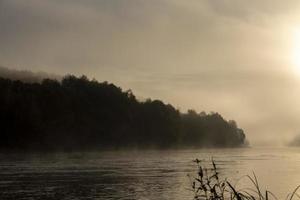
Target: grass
{"type": "Point", "coordinates": [207, 185]}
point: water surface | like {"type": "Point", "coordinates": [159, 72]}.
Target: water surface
{"type": "Point", "coordinates": [147, 174]}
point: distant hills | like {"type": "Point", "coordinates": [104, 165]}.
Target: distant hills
{"type": "Point", "coordinates": [26, 76]}
{"type": "Point", "coordinates": [295, 142]}
{"type": "Point", "coordinates": [38, 113]}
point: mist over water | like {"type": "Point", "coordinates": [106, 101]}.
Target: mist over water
{"type": "Point", "coordinates": [114, 99]}
{"type": "Point", "coordinates": [147, 174]}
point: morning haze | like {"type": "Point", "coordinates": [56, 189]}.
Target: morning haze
{"type": "Point", "coordinates": [239, 58]}
{"type": "Point", "coordinates": [149, 99]}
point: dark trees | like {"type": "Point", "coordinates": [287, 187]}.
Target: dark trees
{"type": "Point", "coordinates": [77, 113]}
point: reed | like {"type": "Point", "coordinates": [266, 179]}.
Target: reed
{"type": "Point", "coordinates": [207, 185]}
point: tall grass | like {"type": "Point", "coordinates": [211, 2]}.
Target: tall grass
{"type": "Point", "coordinates": [207, 185]}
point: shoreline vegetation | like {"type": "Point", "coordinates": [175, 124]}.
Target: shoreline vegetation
{"type": "Point", "coordinates": [207, 185]}
{"type": "Point", "coordinates": [76, 113]}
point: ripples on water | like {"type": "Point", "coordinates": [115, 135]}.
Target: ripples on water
{"type": "Point", "coordinates": [139, 174]}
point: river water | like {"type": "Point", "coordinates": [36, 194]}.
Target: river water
{"type": "Point", "coordinates": [144, 174]}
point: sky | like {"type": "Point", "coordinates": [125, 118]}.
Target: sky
{"type": "Point", "coordinates": [240, 58]}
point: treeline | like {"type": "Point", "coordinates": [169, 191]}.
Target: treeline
{"type": "Point", "coordinates": [77, 113]}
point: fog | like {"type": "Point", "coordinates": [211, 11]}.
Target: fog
{"type": "Point", "coordinates": [233, 57]}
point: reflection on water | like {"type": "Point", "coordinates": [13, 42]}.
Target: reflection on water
{"type": "Point", "coordinates": [139, 174]}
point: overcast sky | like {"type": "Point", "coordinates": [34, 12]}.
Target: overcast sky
{"type": "Point", "coordinates": [240, 58]}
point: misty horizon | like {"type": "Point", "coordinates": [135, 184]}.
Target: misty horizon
{"type": "Point", "coordinates": [149, 99]}
{"type": "Point", "coordinates": [237, 58]}
{"type": "Point", "coordinates": [38, 76]}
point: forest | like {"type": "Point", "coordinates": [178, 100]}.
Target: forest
{"type": "Point", "coordinates": [76, 113]}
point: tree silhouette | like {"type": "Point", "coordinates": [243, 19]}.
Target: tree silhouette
{"type": "Point", "coordinates": [78, 113]}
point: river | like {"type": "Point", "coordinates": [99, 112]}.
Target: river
{"type": "Point", "coordinates": [144, 174]}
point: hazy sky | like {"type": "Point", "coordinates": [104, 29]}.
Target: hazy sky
{"type": "Point", "coordinates": [240, 58]}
